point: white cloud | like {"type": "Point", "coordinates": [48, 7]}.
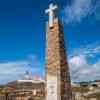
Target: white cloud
{"type": "Point", "coordinates": [80, 9]}
{"type": "Point", "coordinates": [90, 50]}
{"type": "Point", "coordinates": [14, 70]}
{"type": "Point", "coordinates": [81, 69]}
{"type": "Point", "coordinates": [97, 10]}
{"type": "Point", "coordinates": [77, 60]}
{"type": "Point", "coordinates": [85, 72]}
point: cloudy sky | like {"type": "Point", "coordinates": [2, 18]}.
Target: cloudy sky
{"type": "Point", "coordinates": [22, 37]}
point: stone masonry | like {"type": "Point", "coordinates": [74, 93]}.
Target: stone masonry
{"type": "Point", "coordinates": [58, 85]}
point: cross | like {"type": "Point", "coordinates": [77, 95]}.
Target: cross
{"type": "Point", "coordinates": [50, 11]}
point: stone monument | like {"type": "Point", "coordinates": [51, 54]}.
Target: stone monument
{"type": "Point", "coordinates": [57, 77]}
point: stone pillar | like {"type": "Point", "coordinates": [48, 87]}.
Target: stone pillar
{"type": "Point", "coordinates": [57, 71]}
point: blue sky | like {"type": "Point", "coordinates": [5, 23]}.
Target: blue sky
{"type": "Point", "coordinates": [22, 37]}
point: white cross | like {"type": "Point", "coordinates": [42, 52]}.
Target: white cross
{"type": "Point", "coordinates": [50, 11]}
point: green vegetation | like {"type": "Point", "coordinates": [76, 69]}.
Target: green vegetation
{"type": "Point", "coordinates": [80, 89]}
{"type": "Point", "coordinates": [85, 89]}
{"type": "Point", "coordinates": [35, 98]}
{"type": "Point", "coordinates": [95, 95]}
